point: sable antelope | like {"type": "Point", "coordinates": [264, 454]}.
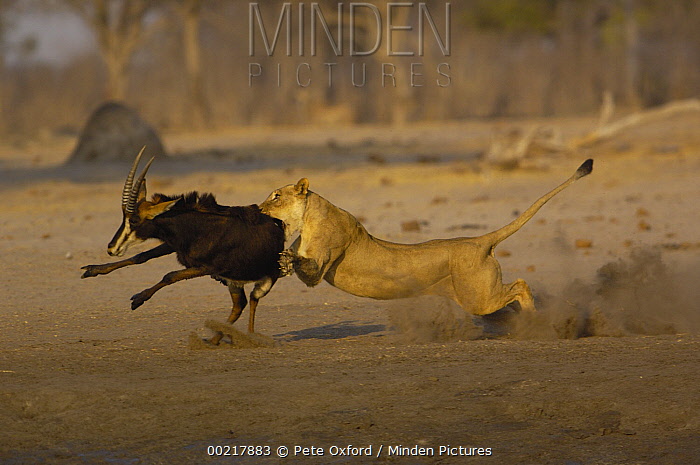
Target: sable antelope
{"type": "Point", "coordinates": [235, 245]}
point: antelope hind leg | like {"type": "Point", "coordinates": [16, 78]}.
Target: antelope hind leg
{"type": "Point", "coordinates": [239, 302]}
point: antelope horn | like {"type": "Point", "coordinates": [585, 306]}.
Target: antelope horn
{"type": "Point", "coordinates": [126, 192]}
{"type": "Point", "coordinates": [134, 195]}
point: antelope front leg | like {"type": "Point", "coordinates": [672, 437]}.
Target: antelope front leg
{"type": "Point", "coordinates": [174, 276]}
{"type": "Point", "coordinates": [260, 290]}
{"type": "Point", "coordinates": [94, 270]}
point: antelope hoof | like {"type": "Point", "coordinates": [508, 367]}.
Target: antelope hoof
{"type": "Point", "coordinates": [216, 340]}
{"type": "Point", "coordinates": [138, 299]}
{"type": "Point", "coordinates": [90, 271]}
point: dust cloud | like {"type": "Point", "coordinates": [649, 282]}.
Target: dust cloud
{"type": "Point", "coordinates": [233, 338]}
{"type": "Point", "coordinates": [636, 295]}
{"type": "Point", "coordinates": [431, 319]}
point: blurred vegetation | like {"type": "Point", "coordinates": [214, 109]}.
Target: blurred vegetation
{"type": "Point", "coordinates": [183, 64]}
{"type": "Point", "coordinates": [513, 16]}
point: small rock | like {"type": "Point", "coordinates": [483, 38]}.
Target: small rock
{"type": "Point", "coordinates": [583, 243]}
{"type": "Point", "coordinates": [643, 226]}
{"type": "Point", "coordinates": [410, 226]}
{"type": "Point", "coordinates": [376, 159]}
{"type": "Point", "coordinates": [681, 246]}
{"type": "Point", "coordinates": [458, 227]}
{"type": "Point", "coordinates": [426, 159]}
{"type": "Point", "coordinates": [667, 149]}
{"type": "Point", "coordinates": [622, 147]}
{"type": "Point", "coordinates": [480, 198]}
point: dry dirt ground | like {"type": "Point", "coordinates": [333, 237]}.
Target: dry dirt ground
{"type": "Point", "coordinates": [606, 373]}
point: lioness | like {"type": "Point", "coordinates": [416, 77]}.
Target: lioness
{"type": "Point", "coordinates": [334, 246]}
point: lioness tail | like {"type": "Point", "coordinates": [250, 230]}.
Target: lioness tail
{"type": "Point", "coordinates": [496, 237]}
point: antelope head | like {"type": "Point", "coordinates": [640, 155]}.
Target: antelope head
{"type": "Point", "coordinates": [137, 211]}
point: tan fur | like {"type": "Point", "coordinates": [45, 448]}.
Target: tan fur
{"type": "Point", "coordinates": [334, 246]}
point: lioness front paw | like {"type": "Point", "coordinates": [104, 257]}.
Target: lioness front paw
{"type": "Point", "coordinates": [286, 263]}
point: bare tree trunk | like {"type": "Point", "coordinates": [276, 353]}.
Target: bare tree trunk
{"type": "Point", "coordinates": [631, 54]}
{"type": "Point", "coordinates": [117, 76]}
{"type": "Point", "coordinates": [2, 65]}
{"type": "Point", "coordinates": [402, 107]}
{"type": "Point", "coordinates": [191, 11]}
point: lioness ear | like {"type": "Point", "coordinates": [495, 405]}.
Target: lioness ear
{"type": "Point", "coordinates": [160, 208]}
{"type": "Point", "coordinates": [302, 186]}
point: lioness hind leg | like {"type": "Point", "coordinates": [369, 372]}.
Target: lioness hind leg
{"type": "Point", "coordinates": [519, 292]}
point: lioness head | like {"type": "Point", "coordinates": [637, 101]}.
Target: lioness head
{"type": "Point", "coordinates": [288, 204]}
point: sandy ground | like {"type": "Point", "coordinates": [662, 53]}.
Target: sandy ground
{"type": "Point", "coordinates": [607, 373]}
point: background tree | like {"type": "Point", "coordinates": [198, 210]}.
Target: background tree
{"type": "Point", "coordinates": [120, 28]}
{"type": "Point", "coordinates": [509, 58]}
{"type": "Point", "coordinates": [190, 12]}
{"type": "Point", "coordinates": [3, 51]}
{"type": "Point", "coordinates": [632, 45]}
{"type": "Point", "coordinates": [2, 60]}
